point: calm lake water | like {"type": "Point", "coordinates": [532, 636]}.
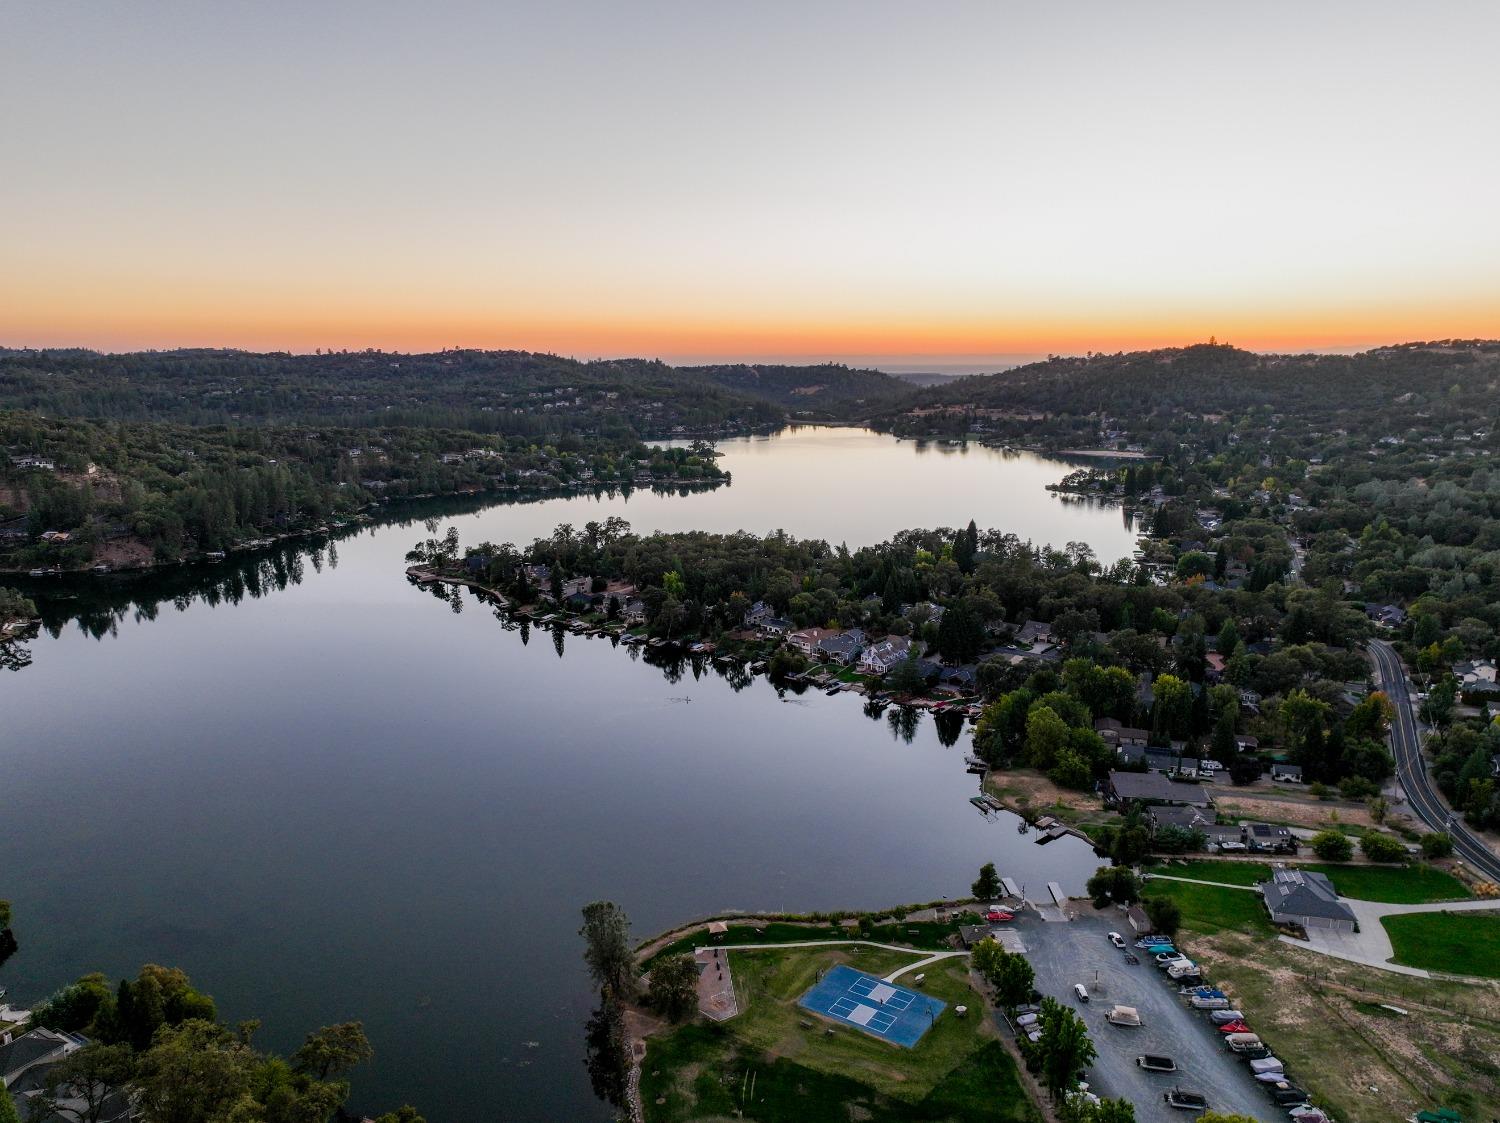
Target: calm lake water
{"type": "Point", "coordinates": [327, 796]}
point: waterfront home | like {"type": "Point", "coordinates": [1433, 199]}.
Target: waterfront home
{"type": "Point", "coordinates": [1307, 900]}
{"type": "Point", "coordinates": [1291, 773]}
{"type": "Point", "coordinates": [806, 640]}
{"type": "Point", "coordinates": [774, 627]}
{"type": "Point", "coordinates": [880, 657]}
{"type": "Point", "coordinates": [842, 648]}
{"type": "Point", "coordinates": [1185, 818]}
{"type": "Point", "coordinates": [1121, 788]}
{"type": "Point", "coordinates": [1159, 759]}
{"type": "Point", "coordinates": [41, 1048]}
{"type": "Point", "coordinates": [960, 680]}
{"type": "Point", "coordinates": [633, 615]}
{"type": "Point", "coordinates": [759, 613]}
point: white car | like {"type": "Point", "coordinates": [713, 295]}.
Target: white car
{"type": "Point", "coordinates": [1117, 939]}
{"type": "Point", "coordinates": [1026, 1020]}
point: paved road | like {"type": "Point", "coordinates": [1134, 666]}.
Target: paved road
{"type": "Point", "coordinates": [1411, 767]}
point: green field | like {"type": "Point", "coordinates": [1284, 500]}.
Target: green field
{"type": "Point", "coordinates": [1209, 909]}
{"type": "Point", "coordinates": [1458, 943]}
{"type": "Point", "coordinates": [1225, 873]}
{"type": "Point", "coordinates": [1398, 885]}
{"type": "Point", "coordinates": [768, 1065]}
{"type": "Point", "coordinates": [918, 934]}
{"type": "Point", "coordinates": [1394, 885]}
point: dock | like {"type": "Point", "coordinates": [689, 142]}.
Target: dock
{"type": "Point", "coordinates": [1011, 888]}
{"type": "Point", "coordinates": [1058, 896]}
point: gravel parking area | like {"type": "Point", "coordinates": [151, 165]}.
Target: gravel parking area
{"type": "Point", "coordinates": [1080, 952]}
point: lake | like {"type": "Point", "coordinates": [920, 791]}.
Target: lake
{"type": "Point", "coordinates": [327, 794]}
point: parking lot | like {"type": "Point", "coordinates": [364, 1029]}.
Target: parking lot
{"type": "Point", "coordinates": [1079, 951]}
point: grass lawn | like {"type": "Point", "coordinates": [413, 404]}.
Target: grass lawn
{"type": "Point", "coordinates": [1225, 873]}
{"type": "Point", "coordinates": [765, 1064]}
{"type": "Point", "coordinates": [1206, 908]}
{"type": "Point", "coordinates": [1395, 885]}
{"type": "Point", "coordinates": [1460, 943]}
{"type": "Point", "coordinates": [927, 934]}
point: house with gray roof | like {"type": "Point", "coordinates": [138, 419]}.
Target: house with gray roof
{"type": "Point", "coordinates": [1121, 788]}
{"type": "Point", "coordinates": [843, 648]}
{"type": "Point", "coordinates": [1307, 900]}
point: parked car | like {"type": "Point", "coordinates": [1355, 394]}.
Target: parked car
{"type": "Point", "coordinates": [1117, 939]}
{"type": "Point", "coordinates": [1123, 1016]}
{"type": "Point", "coordinates": [1080, 993]}
{"type": "Point", "coordinates": [1155, 1062]}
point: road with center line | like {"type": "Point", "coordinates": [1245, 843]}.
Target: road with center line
{"type": "Point", "coordinates": [1411, 767]}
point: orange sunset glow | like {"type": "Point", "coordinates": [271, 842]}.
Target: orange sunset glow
{"type": "Point", "coordinates": [997, 183]}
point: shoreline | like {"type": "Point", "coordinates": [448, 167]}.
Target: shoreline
{"type": "Point", "coordinates": [369, 514]}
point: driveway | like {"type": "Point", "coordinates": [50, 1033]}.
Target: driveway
{"type": "Point", "coordinates": [1080, 952]}
{"type": "Point", "coordinates": [1371, 945]}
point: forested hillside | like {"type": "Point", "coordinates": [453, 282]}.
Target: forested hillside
{"type": "Point", "coordinates": [829, 392]}
{"type": "Point", "coordinates": [1076, 398]}
{"type": "Point", "coordinates": [508, 392]}
{"type": "Point", "coordinates": [75, 493]}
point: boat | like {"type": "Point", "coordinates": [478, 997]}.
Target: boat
{"type": "Point", "coordinates": [834, 690]}
{"type": "Point", "coordinates": [1185, 1099]}
{"type": "Point", "coordinates": [1155, 1062]}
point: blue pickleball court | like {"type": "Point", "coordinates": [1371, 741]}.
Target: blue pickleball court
{"type": "Point", "coordinates": [881, 1009]}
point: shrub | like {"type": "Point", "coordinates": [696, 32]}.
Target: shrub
{"type": "Point", "coordinates": [1438, 845]}
{"type": "Point", "coordinates": [1332, 846]}
{"type": "Point", "coordinates": [1382, 848]}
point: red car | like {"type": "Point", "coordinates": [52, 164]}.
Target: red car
{"type": "Point", "coordinates": [1234, 1027]}
{"type": "Point", "coordinates": [995, 916]}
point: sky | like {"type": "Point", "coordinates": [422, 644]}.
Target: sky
{"type": "Point", "coordinates": [918, 186]}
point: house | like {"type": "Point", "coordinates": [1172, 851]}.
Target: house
{"type": "Point", "coordinates": [807, 639]}
{"type": "Point", "coordinates": [1246, 743]}
{"type": "Point", "coordinates": [1386, 615]}
{"type": "Point", "coordinates": [1034, 632]}
{"type": "Point", "coordinates": [1121, 788]}
{"type": "Point", "coordinates": [774, 628]}
{"type": "Point", "coordinates": [634, 613]}
{"type": "Point", "coordinates": [1214, 666]}
{"type": "Point", "coordinates": [972, 935]}
{"type": "Point", "coordinates": [1307, 900]}
{"type": "Point", "coordinates": [1159, 759]}
{"type": "Point", "coordinates": [1291, 773]}
{"type": "Point", "coordinates": [960, 680]}
{"type": "Point", "coordinates": [759, 613]}
{"type": "Point", "coordinates": [33, 463]}
{"type": "Point", "coordinates": [842, 648]}
{"type": "Point", "coordinates": [1184, 818]}
{"type": "Point", "coordinates": [925, 611]}
{"type": "Point", "coordinates": [37, 1049]}
{"type": "Point", "coordinates": [880, 657]}
{"type": "Point", "coordinates": [1477, 676]}
{"type": "Point", "coordinates": [1119, 734]}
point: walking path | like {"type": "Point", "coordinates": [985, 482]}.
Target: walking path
{"type": "Point", "coordinates": [1197, 881]}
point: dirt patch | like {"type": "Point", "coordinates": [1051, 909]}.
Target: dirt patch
{"type": "Point", "coordinates": [123, 553]}
{"type": "Point", "coordinates": [1310, 814]}
{"type": "Point", "coordinates": [1031, 791]}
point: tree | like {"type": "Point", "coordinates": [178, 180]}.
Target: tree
{"type": "Point", "coordinates": [1332, 846]}
{"type": "Point", "coordinates": [89, 1075]}
{"type": "Point", "coordinates": [1165, 915]}
{"type": "Point", "coordinates": [197, 1072]}
{"type": "Point", "coordinates": [987, 888]}
{"type": "Point", "coordinates": [674, 986]}
{"type": "Point", "coordinates": [1064, 1048]}
{"type": "Point", "coordinates": [1437, 845]}
{"type": "Point", "coordinates": [960, 633]}
{"type": "Point", "coordinates": [332, 1051]}
{"type": "Point", "coordinates": [404, 1114]}
{"type": "Point", "coordinates": [8, 1108]}
{"type": "Point", "coordinates": [906, 677]}
{"type": "Point", "coordinates": [1114, 883]}
{"type": "Point", "coordinates": [606, 934]}
{"type": "Point", "coordinates": [1381, 848]}
{"type": "Point", "coordinates": [1172, 706]}
{"type": "Point", "coordinates": [1046, 736]}
{"type": "Point", "coordinates": [1011, 975]}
